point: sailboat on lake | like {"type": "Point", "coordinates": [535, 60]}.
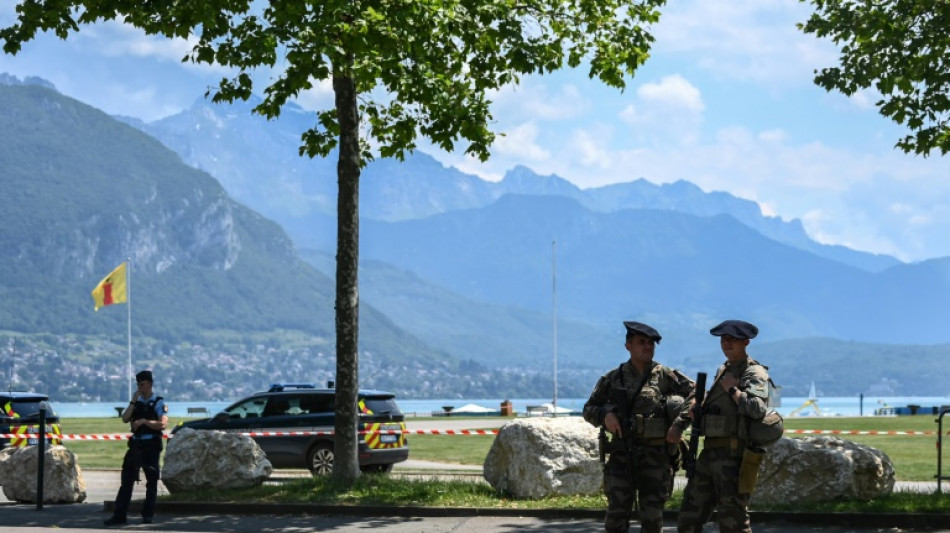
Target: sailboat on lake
{"type": "Point", "coordinates": [812, 402]}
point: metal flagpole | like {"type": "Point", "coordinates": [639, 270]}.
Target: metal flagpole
{"type": "Point", "coordinates": [128, 303]}
{"type": "Point", "coordinates": [554, 298]}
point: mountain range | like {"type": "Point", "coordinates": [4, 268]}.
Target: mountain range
{"type": "Point", "coordinates": [455, 269]}
{"type": "Point", "coordinates": [84, 192]}
{"type": "Point", "coordinates": [256, 160]}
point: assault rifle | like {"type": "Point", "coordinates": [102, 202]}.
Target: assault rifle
{"type": "Point", "coordinates": [619, 398]}
{"type": "Point", "coordinates": [689, 462]}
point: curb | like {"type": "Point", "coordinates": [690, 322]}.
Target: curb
{"type": "Point", "coordinates": [879, 520]}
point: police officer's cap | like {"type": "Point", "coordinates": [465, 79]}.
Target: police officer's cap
{"type": "Point", "coordinates": [736, 329]}
{"type": "Point", "coordinates": [638, 328]}
{"type": "Point", "coordinates": [145, 375]}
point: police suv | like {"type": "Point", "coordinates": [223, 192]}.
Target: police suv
{"type": "Point", "coordinates": [301, 407]}
{"type": "Point", "coordinates": [20, 417]}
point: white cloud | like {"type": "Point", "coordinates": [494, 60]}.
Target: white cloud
{"type": "Point", "coordinates": [668, 111]}
{"type": "Point", "coordinates": [672, 92]}
{"type": "Point", "coordinates": [773, 136]}
{"type": "Point", "coordinates": [534, 99]}
{"type": "Point", "coordinates": [115, 39]}
{"type": "Point", "coordinates": [589, 149]}
{"type": "Point", "coordinates": [833, 226]}
{"type": "Point", "coordinates": [318, 97]}
{"type": "Point", "coordinates": [865, 98]}
{"type": "Point", "coordinates": [751, 40]}
{"type": "Point", "coordinates": [521, 141]}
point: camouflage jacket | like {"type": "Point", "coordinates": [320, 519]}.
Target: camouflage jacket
{"type": "Point", "coordinates": [661, 383]}
{"type": "Point", "coordinates": [724, 417]}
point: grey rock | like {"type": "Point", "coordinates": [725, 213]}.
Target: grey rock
{"type": "Point", "coordinates": [820, 469]}
{"type": "Point", "coordinates": [62, 477]}
{"type": "Point", "coordinates": [540, 457]}
{"type": "Point", "coordinates": [196, 460]}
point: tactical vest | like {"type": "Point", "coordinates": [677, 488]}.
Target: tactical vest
{"type": "Point", "coordinates": [147, 411]}
{"type": "Point", "coordinates": [721, 414]}
{"type": "Point", "coordinates": [648, 408]}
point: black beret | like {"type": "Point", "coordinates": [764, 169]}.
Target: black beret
{"type": "Point", "coordinates": [736, 329]}
{"type": "Point", "coordinates": [145, 375]}
{"type": "Point", "coordinates": [637, 328]}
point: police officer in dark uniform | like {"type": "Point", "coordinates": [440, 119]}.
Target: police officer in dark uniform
{"type": "Point", "coordinates": [637, 403]}
{"type": "Point", "coordinates": [148, 416]}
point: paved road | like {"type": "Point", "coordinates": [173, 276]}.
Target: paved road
{"type": "Point", "coordinates": [88, 518]}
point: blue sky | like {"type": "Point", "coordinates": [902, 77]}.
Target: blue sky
{"type": "Point", "coordinates": [726, 101]}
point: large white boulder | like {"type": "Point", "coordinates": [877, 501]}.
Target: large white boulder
{"type": "Point", "coordinates": [62, 477]}
{"type": "Point", "coordinates": [539, 457]}
{"type": "Point", "coordinates": [820, 469]}
{"type": "Point", "coordinates": [196, 460]}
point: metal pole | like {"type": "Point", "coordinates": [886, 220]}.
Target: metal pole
{"type": "Point", "coordinates": [554, 298]}
{"type": "Point", "coordinates": [940, 475]}
{"type": "Point", "coordinates": [128, 304]}
{"type": "Point", "coordinates": [41, 456]}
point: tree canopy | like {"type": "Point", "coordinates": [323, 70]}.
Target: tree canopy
{"type": "Point", "coordinates": [899, 48]}
{"type": "Point", "coordinates": [422, 67]}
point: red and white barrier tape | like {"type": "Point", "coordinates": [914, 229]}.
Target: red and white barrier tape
{"type": "Point", "coordinates": [442, 432]}
{"type": "Point", "coordinates": [272, 434]}
{"type": "Point", "coordinates": [856, 432]}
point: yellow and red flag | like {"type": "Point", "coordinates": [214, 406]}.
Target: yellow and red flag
{"type": "Point", "coordinates": [112, 289]}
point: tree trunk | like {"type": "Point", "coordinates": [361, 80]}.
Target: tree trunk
{"type": "Point", "coordinates": [346, 463]}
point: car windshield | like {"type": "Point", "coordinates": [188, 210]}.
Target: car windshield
{"type": "Point", "coordinates": [27, 408]}
{"type": "Point", "coordinates": [250, 408]}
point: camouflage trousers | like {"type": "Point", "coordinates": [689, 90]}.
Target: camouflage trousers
{"type": "Point", "coordinates": [715, 485]}
{"type": "Point", "coordinates": [651, 485]}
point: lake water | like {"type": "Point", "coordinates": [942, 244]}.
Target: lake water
{"type": "Point", "coordinates": [827, 406]}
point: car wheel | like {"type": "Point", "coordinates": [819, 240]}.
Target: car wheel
{"type": "Point", "coordinates": [320, 460]}
{"type": "Point", "coordinates": [377, 469]}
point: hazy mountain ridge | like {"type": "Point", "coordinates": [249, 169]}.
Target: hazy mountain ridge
{"type": "Point", "coordinates": [684, 270]}
{"type": "Point", "coordinates": [257, 162]}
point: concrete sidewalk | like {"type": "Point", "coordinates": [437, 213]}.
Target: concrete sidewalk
{"type": "Point", "coordinates": [202, 518]}
{"type": "Point", "coordinates": [277, 518]}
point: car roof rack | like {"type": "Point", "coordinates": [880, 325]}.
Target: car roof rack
{"type": "Point", "coordinates": [278, 387]}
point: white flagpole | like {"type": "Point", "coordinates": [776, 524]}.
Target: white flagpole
{"type": "Point", "coordinates": [554, 297]}
{"type": "Point", "coordinates": [128, 303]}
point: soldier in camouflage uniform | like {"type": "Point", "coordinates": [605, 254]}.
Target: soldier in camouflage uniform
{"type": "Point", "coordinates": [740, 392]}
{"type": "Point", "coordinates": [633, 403]}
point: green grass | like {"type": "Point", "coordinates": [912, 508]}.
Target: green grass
{"type": "Point", "coordinates": [386, 490]}
{"type": "Point", "coordinates": [99, 454]}
{"type": "Point", "coordinates": [460, 449]}
{"type": "Point", "coordinates": [914, 457]}
{"type": "Point", "coordinates": [898, 502]}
